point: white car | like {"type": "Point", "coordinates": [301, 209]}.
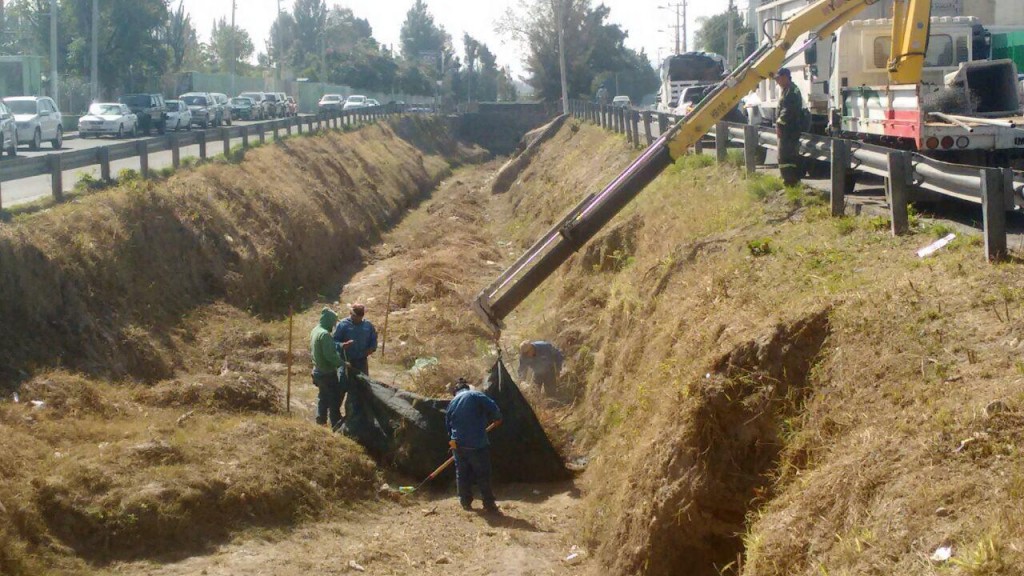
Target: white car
{"type": "Point", "coordinates": [331, 102]}
{"type": "Point", "coordinates": [8, 131]}
{"type": "Point", "coordinates": [37, 119]}
{"type": "Point", "coordinates": [354, 101]}
{"type": "Point", "coordinates": [622, 102]}
{"type": "Point", "coordinates": [178, 115]}
{"type": "Point", "coordinates": [110, 119]}
{"type": "Point", "coordinates": [372, 102]}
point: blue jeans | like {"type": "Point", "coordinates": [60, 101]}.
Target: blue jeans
{"type": "Point", "coordinates": [329, 398]}
{"type": "Point", "coordinates": [473, 465]}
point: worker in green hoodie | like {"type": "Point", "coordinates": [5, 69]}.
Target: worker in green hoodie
{"type": "Point", "coordinates": [326, 362]}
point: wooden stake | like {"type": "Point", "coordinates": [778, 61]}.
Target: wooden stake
{"type": "Point", "coordinates": [387, 312]}
{"type": "Point", "coordinates": [288, 390]}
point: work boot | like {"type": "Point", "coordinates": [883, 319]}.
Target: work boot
{"type": "Point", "coordinates": [467, 505]}
{"type": "Point", "coordinates": [492, 508]}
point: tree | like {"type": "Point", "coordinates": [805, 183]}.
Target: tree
{"type": "Point", "coordinates": [310, 22]}
{"type": "Point", "coordinates": [281, 41]}
{"type": "Point", "coordinates": [421, 38]}
{"type": "Point", "coordinates": [230, 46]}
{"type": "Point", "coordinates": [181, 37]}
{"type": "Point", "coordinates": [714, 30]}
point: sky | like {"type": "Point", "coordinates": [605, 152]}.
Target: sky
{"type": "Point", "coordinates": [642, 19]}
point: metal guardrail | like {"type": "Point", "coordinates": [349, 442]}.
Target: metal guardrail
{"type": "Point", "coordinates": [995, 189]}
{"type": "Point", "coordinates": [56, 163]}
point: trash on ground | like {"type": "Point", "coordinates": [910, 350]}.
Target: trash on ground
{"type": "Point", "coordinates": [942, 553]}
{"type": "Point", "coordinates": [576, 556]}
{"type": "Point", "coordinates": [935, 246]}
{"type": "Point", "coordinates": [422, 364]}
{"type": "Point", "coordinates": [37, 403]}
{"type": "Point", "coordinates": [429, 512]}
{"type": "Point", "coordinates": [16, 398]}
{"type": "Point", "coordinates": [406, 489]}
{"type": "Point", "coordinates": [352, 564]}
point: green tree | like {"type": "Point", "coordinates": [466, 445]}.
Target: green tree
{"type": "Point", "coordinates": [712, 36]}
{"type": "Point", "coordinates": [231, 47]}
{"type": "Point", "coordinates": [280, 43]}
{"type": "Point", "coordinates": [420, 35]}
{"type": "Point", "coordinates": [310, 22]}
{"type": "Point", "coordinates": [181, 38]}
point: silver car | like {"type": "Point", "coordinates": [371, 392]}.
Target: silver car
{"type": "Point", "coordinates": [178, 115]}
{"type": "Point", "coordinates": [8, 132]}
{"type": "Point", "coordinates": [38, 119]}
{"type": "Point", "coordinates": [225, 105]}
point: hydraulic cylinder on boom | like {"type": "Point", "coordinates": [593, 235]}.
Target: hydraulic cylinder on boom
{"type": "Point", "coordinates": [911, 24]}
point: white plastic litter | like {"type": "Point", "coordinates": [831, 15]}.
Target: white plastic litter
{"type": "Point", "coordinates": [355, 566]}
{"type": "Point", "coordinates": [576, 556]}
{"type": "Point", "coordinates": [935, 246]}
{"type": "Point", "coordinates": [16, 397]}
{"type": "Point", "coordinates": [942, 553]}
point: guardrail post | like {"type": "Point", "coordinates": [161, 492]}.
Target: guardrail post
{"type": "Point", "coordinates": [288, 126]}
{"type": "Point", "coordinates": [647, 128]}
{"type": "Point", "coordinates": [662, 123]}
{"type": "Point", "coordinates": [262, 130]}
{"type": "Point", "coordinates": [311, 125]}
{"type": "Point", "coordinates": [245, 136]}
{"type": "Point", "coordinates": [750, 148]}
{"type": "Point", "coordinates": [721, 142]}
{"type": "Point", "coordinates": [298, 124]}
{"type": "Point", "coordinates": [175, 151]}
{"type": "Point", "coordinates": [103, 155]}
{"type": "Point", "coordinates": [142, 146]}
{"type": "Point", "coordinates": [840, 171]}
{"type": "Point", "coordinates": [276, 137]}
{"type": "Point", "coordinates": [634, 118]}
{"type": "Point", "coordinates": [603, 114]}
{"type": "Point", "coordinates": [898, 184]}
{"type": "Point", "coordinates": [993, 207]}
{"type": "Point", "coordinates": [201, 136]}
{"type": "Point", "coordinates": [56, 177]}
{"type": "Point", "coordinates": [225, 136]}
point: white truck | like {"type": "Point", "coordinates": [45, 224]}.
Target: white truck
{"type": "Point", "coordinates": [966, 108]}
{"type": "Point", "coordinates": [680, 71]}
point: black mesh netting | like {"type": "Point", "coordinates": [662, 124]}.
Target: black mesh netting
{"type": "Point", "coordinates": [408, 432]}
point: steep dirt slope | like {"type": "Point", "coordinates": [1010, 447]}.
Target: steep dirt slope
{"type": "Point", "coordinates": [767, 390]}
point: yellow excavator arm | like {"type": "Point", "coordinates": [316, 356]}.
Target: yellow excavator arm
{"type": "Point", "coordinates": [911, 23]}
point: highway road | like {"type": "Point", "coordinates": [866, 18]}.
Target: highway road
{"type": "Point", "coordinates": [30, 189]}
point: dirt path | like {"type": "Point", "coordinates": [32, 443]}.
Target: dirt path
{"type": "Point", "coordinates": [435, 258]}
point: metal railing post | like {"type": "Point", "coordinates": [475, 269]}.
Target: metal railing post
{"type": "Point", "coordinates": [897, 189]}
{"type": "Point", "coordinates": [245, 136]}
{"type": "Point", "coordinates": [227, 141]}
{"type": "Point", "coordinates": [721, 142]}
{"type": "Point", "coordinates": [175, 151]}
{"type": "Point", "coordinates": [840, 172]}
{"type": "Point", "coordinates": [647, 128]}
{"type": "Point", "coordinates": [142, 146]}
{"type": "Point", "coordinates": [103, 154]}
{"type": "Point", "coordinates": [56, 177]}
{"type": "Point", "coordinates": [750, 148]}
{"type": "Point", "coordinates": [263, 133]}
{"type": "Point", "coordinates": [662, 123]}
{"type": "Point", "coordinates": [993, 207]}
{"type": "Point", "coordinates": [201, 135]}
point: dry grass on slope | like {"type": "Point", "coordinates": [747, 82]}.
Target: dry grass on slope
{"type": "Point", "coordinates": [765, 383]}
{"type": "Point", "coordinates": [97, 274]}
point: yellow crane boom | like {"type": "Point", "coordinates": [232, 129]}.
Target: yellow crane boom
{"type": "Point", "coordinates": [911, 22]}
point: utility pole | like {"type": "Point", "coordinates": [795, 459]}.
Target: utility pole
{"type": "Point", "coordinates": [560, 18]}
{"type": "Point", "coordinates": [730, 42]}
{"type": "Point", "coordinates": [94, 65]}
{"type": "Point", "coordinates": [234, 46]}
{"type": "Point", "coordinates": [680, 10]}
{"type": "Point", "coordinates": [54, 82]}
{"type": "Point", "coordinates": [280, 55]}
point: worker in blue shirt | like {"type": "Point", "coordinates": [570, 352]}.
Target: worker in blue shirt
{"type": "Point", "coordinates": [357, 339]}
{"type": "Point", "coordinates": [467, 418]}
{"type": "Point", "coordinates": [543, 360]}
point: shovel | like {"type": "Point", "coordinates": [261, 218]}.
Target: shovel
{"type": "Point", "coordinates": [440, 469]}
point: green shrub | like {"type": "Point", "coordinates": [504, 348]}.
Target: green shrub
{"type": "Point", "coordinates": [760, 247]}
{"type": "Point", "coordinates": [760, 186]}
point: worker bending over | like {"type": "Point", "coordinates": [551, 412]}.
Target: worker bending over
{"type": "Point", "coordinates": [543, 360]}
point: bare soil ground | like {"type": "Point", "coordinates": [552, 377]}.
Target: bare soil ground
{"type": "Point", "coordinates": [434, 260]}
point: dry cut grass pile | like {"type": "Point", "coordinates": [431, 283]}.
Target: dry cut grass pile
{"type": "Point", "coordinates": [766, 390]}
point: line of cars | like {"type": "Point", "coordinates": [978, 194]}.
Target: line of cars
{"type": "Point", "coordinates": [338, 102]}
{"type": "Point", "coordinates": [33, 120]}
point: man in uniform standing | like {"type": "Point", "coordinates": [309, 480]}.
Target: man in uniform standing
{"type": "Point", "coordinates": [467, 418]}
{"type": "Point", "coordinates": [788, 127]}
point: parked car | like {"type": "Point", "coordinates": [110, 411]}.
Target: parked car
{"type": "Point", "coordinates": [150, 109]}
{"type": "Point", "coordinates": [244, 108]}
{"type": "Point", "coordinates": [262, 104]}
{"type": "Point", "coordinates": [275, 105]}
{"type": "Point", "coordinates": [293, 106]}
{"type": "Point", "coordinates": [282, 100]}
{"type": "Point", "coordinates": [622, 102]}
{"type": "Point", "coordinates": [354, 101]}
{"type": "Point", "coordinates": [205, 110]}
{"type": "Point", "coordinates": [8, 132]}
{"type": "Point", "coordinates": [227, 114]}
{"type": "Point", "coordinates": [178, 115]}
{"type": "Point", "coordinates": [330, 102]}
{"type": "Point", "coordinates": [37, 119]}
{"type": "Point", "coordinates": [372, 102]}
{"type": "Point", "coordinates": [110, 119]}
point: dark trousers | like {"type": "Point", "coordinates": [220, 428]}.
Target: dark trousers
{"type": "Point", "coordinates": [360, 366]}
{"type": "Point", "coordinates": [473, 465]}
{"type": "Point", "coordinates": [790, 161]}
{"type": "Point", "coordinates": [329, 399]}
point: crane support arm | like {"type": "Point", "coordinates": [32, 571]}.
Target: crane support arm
{"type": "Point", "coordinates": [502, 296]}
